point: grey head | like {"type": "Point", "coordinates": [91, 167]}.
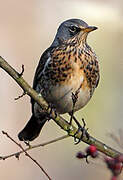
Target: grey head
{"type": "Point", "coordinates": [70, 28]}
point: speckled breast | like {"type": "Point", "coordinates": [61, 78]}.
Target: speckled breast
{"type": "Point", "coordinates": [65, 72]}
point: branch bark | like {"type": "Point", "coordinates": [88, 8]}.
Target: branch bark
{"type": "Point", "coordinates": [70, 129]}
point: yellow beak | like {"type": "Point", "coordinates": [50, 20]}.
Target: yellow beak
{"type": "Point", "coordinates": [89, 29]}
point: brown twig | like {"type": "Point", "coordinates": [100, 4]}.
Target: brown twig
{"type": "Point", "coordinates": [5, 133]}
{"type": "Point", "coordinates": [20, 96]}
{"type": "Point", "coordinates": [17, 154]}
{"type": "Point", "coordinates": [21, 74]}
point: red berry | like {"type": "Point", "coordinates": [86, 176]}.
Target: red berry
{"type": "Point", "coordinates": [119, 158]}
{"type": "Point", "coordinates": [95, 154]}
{"type": "Point", "coordinates": [80, 155]}
{"type": "Point", "coordinates": [114, 178]}
{"type": "Point", "coordinates": [92, 151]}
{"type": "Point", "coordinates": [92, 148]}
{"type": "Point", "coordinates": [110, 163]}
{"type": "Point", "coordinates": [117, 169]}
{"type": "Point", "coordinates": [114, 165]}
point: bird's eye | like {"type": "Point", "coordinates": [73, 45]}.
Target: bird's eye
{"type": "Point", "coordinates": [74, 29]}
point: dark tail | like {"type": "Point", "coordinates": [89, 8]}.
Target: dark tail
{"type": "Point", "coordinates": [32, 129]}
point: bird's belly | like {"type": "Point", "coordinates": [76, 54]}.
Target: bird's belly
{"type": "Point", "coordinates": [61, 97]}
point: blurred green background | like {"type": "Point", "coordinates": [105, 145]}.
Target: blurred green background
{"type": "Point", "coordinates": [27, 28]}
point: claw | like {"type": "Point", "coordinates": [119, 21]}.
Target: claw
{"type": "Point", "coordinates": [82, 129]}
{"type": "Point", "coordinates": [52, 110]}
{"type": "Point", "coordinates": [27, 143]}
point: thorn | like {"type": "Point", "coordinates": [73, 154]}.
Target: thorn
{"type": "Point", "coordinates": [17, 156]}
{"type": "Point", "coordinates": [24, 93]}
{"type": "Point", "coordinates": [4, 132]}
{"type": "Point", "coordinates": [21, 74]}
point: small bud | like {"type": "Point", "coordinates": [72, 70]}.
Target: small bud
{"type": "Point", "coordinates": [80, 155]}
{"type": "Point", "coordinates": [117, 169]}
{"type": "Point", "coordinates": [119, 158]}
{"type": "Point", "coordinates": [114, 178]}
{"type": "Point", "coordinates": [114, 165]}
{"type": "Point", "coordinates": [110, 162]}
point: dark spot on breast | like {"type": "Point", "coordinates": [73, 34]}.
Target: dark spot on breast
{"type": "Point", "coordinates": [69, 56]}
{"type": "Point", "coordinates": [70, 45]}
{"type": "Point", "coordinates": [89, 79]}
{"type": "Point", "coordinates": [49, 65]}
{"type": "Point", "coordinates": [79, 57]}
{"type": "Point", "coordinates": [89, 67]}
{"type": "Point", "coordinates": [75, 59]}
{"type": "Point", "coordinates": [64, 75]}
{"type": "Point", "coordinates": [54, 65]}
{"type": "Point", "coordinates": [57, 80]}
{"type": "Point", "coordinates": [63, 58]}
{"type": "Point", "coordinates": [53, 78]}
{"type": "Point", "coordinates": [96, 70]}
{"type": "Point", "coordinates": [63, 52]}
{"type": "Point", "coordinates": [67, 67]}
{"type": "Point", "coordinates": [55, 58]}
{"type": "Point", "coordinates": [95, 63]}
{"type": "Point", "coordinates": [91, 63]}
{"type": "Point", "coordinates": [81, 67]}
{"type": "Point", "coordinates": [64, 48]}
{"type": "Point", "coordinates": [75, 52]}
{"type": "Point", "coordinates": [62, 79]}
{"type": "Point", "coordinates": [87, 53]}
{"type": "Point", "coordinates": [58, 69]}
{"type": "Point", "coordinates": [63, 68]}
{"type": "Point", "coordinates": [86, 59]}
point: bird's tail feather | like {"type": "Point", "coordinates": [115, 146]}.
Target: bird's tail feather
{"type": "Point", "coordinates": [32, 129]}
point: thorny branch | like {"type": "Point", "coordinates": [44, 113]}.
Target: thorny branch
{"type": "Point", "coordinates": [70, 129]}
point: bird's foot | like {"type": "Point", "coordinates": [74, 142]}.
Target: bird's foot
{"type": "Point", "coordinates": [81, 129]}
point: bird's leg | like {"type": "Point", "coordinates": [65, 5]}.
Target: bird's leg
{"type": "Point", "coordinates": [74, 100]}
{"type": "Point", "coordinates": [72, 117]}
{"type": "Point", "coordinates": [82, 129]}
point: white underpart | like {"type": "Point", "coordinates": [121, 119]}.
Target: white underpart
{"type": "Point", "coordinates": [61, 96]}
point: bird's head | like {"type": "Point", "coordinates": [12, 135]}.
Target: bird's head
{"type": "Point", "coordinates": [72, 28]}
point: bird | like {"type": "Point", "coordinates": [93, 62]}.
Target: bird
{"type": "Point", "coordinates": [67, 66]}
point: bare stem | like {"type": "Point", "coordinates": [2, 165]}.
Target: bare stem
{"type": "Point", "coordinates": [8, 136]}
{"type": "Point", "coordinates": [17, 154]}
